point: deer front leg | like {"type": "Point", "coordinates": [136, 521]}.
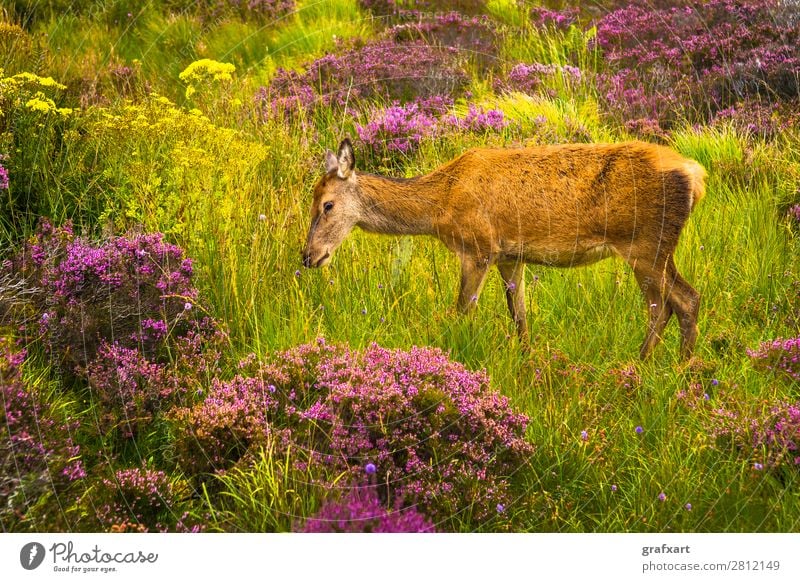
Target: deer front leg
{"type": "Point", "coordinates": [473, 275]}
{"type": "Point", "coordinates": [514, 278]}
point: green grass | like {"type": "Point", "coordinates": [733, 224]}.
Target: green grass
{"type": "Point", "coordinates": [737, 249]}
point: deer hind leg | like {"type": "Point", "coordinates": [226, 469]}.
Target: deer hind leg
{"type": "Point", "coordinates": [652, 281]}
{"type": "Point", "coordinates": [685, 301]}
{"type": "Point", "coordinates": [473, 276]}
{"type": "Point", "coordinates": [513, 275]}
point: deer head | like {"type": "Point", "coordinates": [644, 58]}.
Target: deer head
{"type": "Point", "coordinates": [336, 207]}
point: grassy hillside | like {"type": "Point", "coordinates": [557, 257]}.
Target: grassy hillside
{"type": "Point", "coordinates": [208, 122]}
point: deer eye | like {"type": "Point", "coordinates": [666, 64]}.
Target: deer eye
{"type": "Point", "coordinates": [328, 206]}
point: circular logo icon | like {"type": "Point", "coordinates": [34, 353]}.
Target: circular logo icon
{"type": "Point", "coordinates": [31, 555]}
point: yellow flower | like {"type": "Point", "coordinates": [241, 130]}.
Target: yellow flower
{"type": "Point", "coordinates": [37, 80]}
{"type": "Point", "coordinates": [203, 71]}
{"type": "Point", "coordinates": [41, 104]}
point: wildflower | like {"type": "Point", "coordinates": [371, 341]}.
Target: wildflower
{"type": "Point", "coordinates": [714, 382]}
{"type": "Point", "coordinates": [662, 496]}
{"type": "Point", "coordinates": [688, 507]}
{"type": "Point", "coordinates": [3, 178]}
{"type": "Point", "coordinates": [370, 469]}
{"type": "Point", "coordinates": [639, 430]}
{"type": "Point", "coordinates": [758, 466]}
{"type": "Point", "coordinates": [364, 311]}
{"type": "Point", "coordinates": [187, 306]}
{"type": "Point", "coordinates": [500, 508]}
{"type": "Point", "coordinates": [584, 435]}
{"type": "Point", "coordinates": [262, 217]}
{"type": "Point", "coordinates": [613, 489]}
{"type": "Point", "coordinates": [297, 273]}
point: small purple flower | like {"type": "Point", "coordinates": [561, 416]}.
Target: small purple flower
{"type": "Point", "coordinates": [271, 388]}
{"type": "Point", "coordinates": [688, 507]}
{"type": "Point", "coordinates": [758, 466]}
{"type": "Point", "coordinates": [715, 382]}
{"type": "Point", "coordinates": [613, 489]}
{"type": "Point", "coordinates": [662, 496]}
{"type": "Point", "coordinates": [3, 178]}
{"type": "Point", "coordinates": [706, 396]}
{"type": "Point", "coordinates": [370, 469]}
{"type": "Point", "coordinates": [187, 306]}
{"type": "Point", "coordinates": [501, 508]}
{"type": "Point", "coordinates": [297, 273]}
{"type": "Point", "coordinates": [584, 435]}
{"type": "Point", "coordinates": [639, 430]}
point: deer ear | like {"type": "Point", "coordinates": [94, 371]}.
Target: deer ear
{"type": "Point", "coordinates": [331, 161]}
{"type": "Point", "coordinates": [346, 159]}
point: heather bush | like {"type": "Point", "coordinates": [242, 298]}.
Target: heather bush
{"type": "Point", "coordinates": [435, 433]}
{"type": "Point", "coordinates": [781, 356]}
{"type": "Point", "coordinates": [379, 70]}
{"type": "Point", "coordinates": [692, 61]}
{"type": "Point", "coordinates": [476, 37]}
{"type": "Point", "coordinates": [538, 78]}
{"type": "Point", "coordinates": [217, 432]}
{"type": "Point", "coordinates": [768, 437]}
{"type": "Point", "coordinates": [548, 18]}
{"type": "Point", "coordinates": [401, 128]}
{"type": "Point", "coordinates": [762, 119]}
{"type": "Point", "coordinates": [360, 511]}
{"type": "Point", "coordinates": [135, 291]}
{"type": "Point", "coordinates": [141, 500]}
{"type": "Point", "coordinates": [39, 458]}
{"type": "Point", "coordinates": [403, 7]}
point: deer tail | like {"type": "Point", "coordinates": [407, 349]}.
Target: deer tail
{"type": "Point", "coordinates": [697, 181]}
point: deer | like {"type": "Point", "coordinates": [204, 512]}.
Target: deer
{"type": "Point", "coordinates": [561, 205]}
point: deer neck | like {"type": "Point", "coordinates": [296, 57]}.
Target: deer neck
{"type": "Point", "coordinates": [400, 206]}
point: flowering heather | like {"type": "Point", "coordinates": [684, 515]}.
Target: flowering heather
{"type": "Point", "coordinates": [361, 511]}
{"type": "Point", "coordinates": [130, 388]}
{"type": "Point", "coordinates": [555, 19]}
{"type": "Point", "coordinates": [478, 120]}
{"type": "Point", "coordinates": [436, 434]}
{"type": "Point", "coordinates": [766, 120]}
{"type": "Point", "coordinates": [141, 500]}
{"type": "Point", "coordinates": [794, 213]}
{"type": "Point", "coordinates": [234, 415]}
{"type": "Point", "coordinates": [403, 8]}
{"type": "Point", "coordinates": [780, 436]}
{"type": "Point", "coordinates": [475, 37]}
{"type": "Point", "coordinates": [771, 437]}
{"type": "Point", "coordinates": [694, 60]}
{"type": "Point", "coordinates": [3, 178]}
{"type": "Point", "coordinates": [534, 78]}
{"type": "Point", "coordinates": [37, 453]}
{"type": "Point", "coordinates": [381, 70]}
{"type": "Point", "coordinates": [781, 356]}
{"type": "Point", "coordinates": [401, 128]}
{"type": "Point", "coordinates": [75, 293]}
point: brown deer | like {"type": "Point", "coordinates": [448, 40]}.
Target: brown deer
{"type": "Point", "coordinates": [560, 205]}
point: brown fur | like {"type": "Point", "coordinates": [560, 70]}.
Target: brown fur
{"type": "Point", "coordinates": [562, 205]}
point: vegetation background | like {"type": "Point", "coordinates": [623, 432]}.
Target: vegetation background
{"type": "Point", "coordinates": [142, 392]}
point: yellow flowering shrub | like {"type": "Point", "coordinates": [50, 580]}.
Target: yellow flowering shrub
{"type": "Point", "coordinates": [176, 171]}
{"type": "Point", "coordinates": [206, 72]}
